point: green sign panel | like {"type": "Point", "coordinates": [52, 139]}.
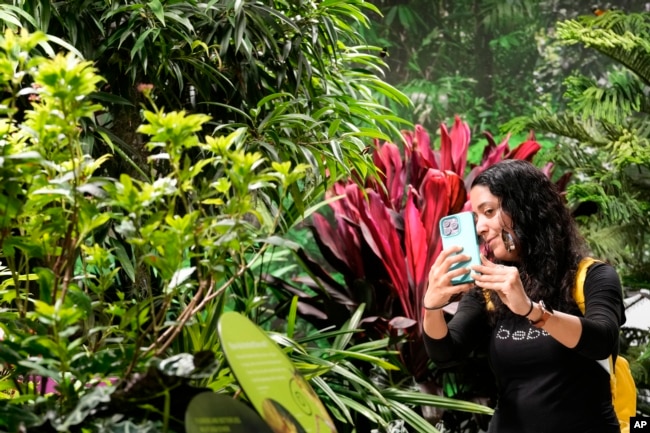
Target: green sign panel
{"type": "Point", "coordinates": [282, 397]}
{"type": "Point", "coordinates": [210, 412]}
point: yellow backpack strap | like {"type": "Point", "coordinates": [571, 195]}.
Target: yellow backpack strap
{"type": "Point", "coordinates": [579, 284]}
{"type": "Point", "coordinates": [488, 302]}
{"type": "Point", "coordinates": [620, 376]}
{"type": "Point", "coordinates": [579, 297]}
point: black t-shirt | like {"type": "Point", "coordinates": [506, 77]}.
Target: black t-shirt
{"type": "Point", "coordinates": [543, 386]}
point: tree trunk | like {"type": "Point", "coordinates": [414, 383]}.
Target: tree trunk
{"type": "Point", "coordinates": [484, 65]}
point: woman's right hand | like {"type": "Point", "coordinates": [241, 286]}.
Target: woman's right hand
{"type": "Point", "coordinates": [440, 289]}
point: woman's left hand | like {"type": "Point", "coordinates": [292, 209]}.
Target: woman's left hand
{"type": "Point", "coordinates": [505, 281]}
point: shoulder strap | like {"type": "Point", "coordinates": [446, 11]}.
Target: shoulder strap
{"type": "Point", "coordinates": [579, 297]}
{"type": "Point", "coordinates": [579, 285]}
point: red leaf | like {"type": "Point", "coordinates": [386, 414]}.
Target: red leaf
{"type": "Point", "coordinates": [336, 190]}
{"type": "Point", "coordinates": [419, 155]}
{"type": "Point", "coordinates": [347, 206]}
{"type": "Point", "coordinates": [414, 241]}
{"type": "Point", "coordinates": [491, 144]}
{"type": "Point", "coordinates": [342, 241]}
{"type": "Point", "coordinates": [327, 236]}
{"type": "Point", "coordinates": [446, 160]}
{"type": "Point", "coordinates": [423, 147]}
{"type": "Point", "coordinates": [419, 141]}
{"type": "Point", "coordinates": [380, 233]}
{"type": "Point", "coordinates": [496, 153]}
{"type": "Point", "coordinates": [491, 155]}
{"type": "Point", "coordinates": [434, 204]}
{"type": "Point", "coordinates": [525, 150]}
{"type": "Point", "coordinates": [460, 136]}
{"type": "Point", "coordinates": [402, 322]}
{"type": "Point", "coordinates": [388, 160]}
{"type": "Point", "coordinates": [349, 242]}
{"type": "Point", "coordinates": [456, 192]}
{"type": "Point", "coordinates": [562, 182]}
{"type": "Point", "coordinates": [453, 146]}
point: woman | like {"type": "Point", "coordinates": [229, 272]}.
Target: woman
{"type": "Point", "coordinates": [542, 351]}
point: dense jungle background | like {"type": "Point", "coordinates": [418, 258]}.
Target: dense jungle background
{"type": "Point", "coordinates": [163, 162]}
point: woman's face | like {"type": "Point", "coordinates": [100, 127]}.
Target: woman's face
{"type": "Point", "coordinates": [492, 222]}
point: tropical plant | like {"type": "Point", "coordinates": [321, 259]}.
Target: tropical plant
{"type": "Point", "coordinates": [67, 319]}
{"type": "Point", "coordinates": [487, 60]}
{"type": "Point", "coordinates": [349, 376]}
{"type": "Point", "coordinates": [298, 76]}
{"type": "Point", "coordinates": [82, 351]}
{"type": "Point", "coordinates": [606, 122]}
{"type": "Point", "coordinates": [474, 58]}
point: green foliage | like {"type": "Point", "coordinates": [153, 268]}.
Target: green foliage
{"type": "Point", "coordinates": [297, 76]}
{"type": "Point", "coordinates": [619, 35]}
{"type": "Point", "coordinates": [441, 99]}
{"type": "Point", "coordinates": [468, 58]}
{"type": "Point", "coordinates": [67, 234]}
{"type": "Point", "coordinates": [614, 101]}
{"type": "Point", "coordinates": [606, 119]}
{"type": "Point", "coordinates": [104, 279]}
{"type": "Point", "coordinates": [358, 395]}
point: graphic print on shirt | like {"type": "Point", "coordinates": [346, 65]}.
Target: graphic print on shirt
{"type": "Point", "coordinates": [520, 335]}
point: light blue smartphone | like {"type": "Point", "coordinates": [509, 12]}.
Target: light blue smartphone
{"type": "Point", "coordinates": [460, 229]}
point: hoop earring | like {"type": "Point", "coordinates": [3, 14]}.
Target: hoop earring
{"type": "Point", "coordinates": [508, 241]}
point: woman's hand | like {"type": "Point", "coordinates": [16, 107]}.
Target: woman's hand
{"type": "Point", "coordinates": [440, 289]}
{"type": "Point", "coordinates": [505, 281]}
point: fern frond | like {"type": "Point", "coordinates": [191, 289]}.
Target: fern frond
{"type": "Point", "coordinates": [623, 243]}
{"type": "Point", "coordinates": [630, 149]}
{"type": "Point", "coordinates": [640, 125]}
{"type": "Point", "coordinates": [619, 22]}
{"type": "Point", "coordinates": [615, 101]}
{"type": "Point", "coordinates": [616, 206]}
{"type": "Point", "coordinates": [622, 37]}
{"type": "Point", "coordinates": [607, 242]}
{"type": "Point", "coordinates": [612, 166]}
{"type": "Point", "coordinates": [565, 125]}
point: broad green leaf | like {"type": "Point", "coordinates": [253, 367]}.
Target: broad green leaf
{"type": "Point", "coordinates": [158, 10]}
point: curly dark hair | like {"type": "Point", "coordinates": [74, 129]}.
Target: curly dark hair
{"type": "Point", "coordinates": [547, 238]}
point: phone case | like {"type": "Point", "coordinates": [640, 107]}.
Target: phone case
{"type": "Point", "coordinates": [459, 229]}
